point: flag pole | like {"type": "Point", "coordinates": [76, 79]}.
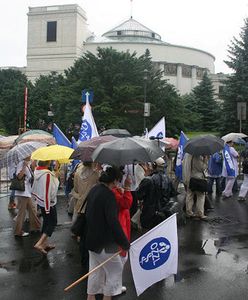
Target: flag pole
{"type": "Point", "coordinates": [25, 109]}
{"type": "Point", "coordinates": [90, 272]}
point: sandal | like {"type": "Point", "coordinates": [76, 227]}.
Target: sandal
{"type": "Point", "coordinates": [49, 248]}
{"type": "Point", "coordinates": [41, 250]}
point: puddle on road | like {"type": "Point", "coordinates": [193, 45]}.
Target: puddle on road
{"type": "Point", "coordinates": [3, 271]}
{"type": "Point", "coordinates": [224, 257]}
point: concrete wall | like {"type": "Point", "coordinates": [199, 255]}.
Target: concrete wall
{"type": "Point", "coordinates": [44, 57]}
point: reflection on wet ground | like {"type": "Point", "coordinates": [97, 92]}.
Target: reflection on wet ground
{"type": "Point", "coordinates": [213, 259]}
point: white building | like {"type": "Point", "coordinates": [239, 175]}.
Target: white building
{"type": "Point", "coordinates": [58, 35]}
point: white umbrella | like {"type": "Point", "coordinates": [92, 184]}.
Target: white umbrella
{"type": "Point", "coordinates": [233, 136]}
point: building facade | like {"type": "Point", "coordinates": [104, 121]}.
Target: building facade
{"type": "Point", "coordinates": [58, 35]}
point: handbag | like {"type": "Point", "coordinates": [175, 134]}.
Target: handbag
{"type": "Point", "coordinates": [79, 226]}
{"type": "Point", "coordinates": [17, 184]}
{"type": "Point", "coordinates": [198, 185]}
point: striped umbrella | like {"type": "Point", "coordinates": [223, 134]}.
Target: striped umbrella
{"type": "Point", "coordinates": [19, 153]}
{"type": "Point", "coordinates": [36, 135]}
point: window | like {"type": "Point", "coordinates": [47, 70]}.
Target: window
{"type": "Point", "coordinates": [52, 31]}
{"type": "Point", "coordinates": [118, 32]}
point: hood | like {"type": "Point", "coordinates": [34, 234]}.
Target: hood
{"type": "Point", "coordinates": [39, 173]}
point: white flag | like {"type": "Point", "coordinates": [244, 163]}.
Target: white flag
{"type": "Point", "coordinates": [154, 256]}
{"type": "Point", "coordinates": [88, 128]}
{"type": "Point", "coordinates": [158, 130]}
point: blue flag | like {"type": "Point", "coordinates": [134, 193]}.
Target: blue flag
{"type": "Point", "coordinates": [180, 154]}
{"type": "Point", "coordinates": [59, 136]}
{"type": "Point", "coordinates": [230, 170]}
{"type": "Point", "coordinates": [74, 143]}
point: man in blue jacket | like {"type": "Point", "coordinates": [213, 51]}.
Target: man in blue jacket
{"type": "Point", "coordinates": [214, 172]}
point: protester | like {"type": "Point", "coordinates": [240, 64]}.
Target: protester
{"type": "Point", "coordinates": [104, 236]}
{"type": "Point", "coordinates": [244, 187]}
{"type": "Point", "coordinates": [214, 172]}
{"type": "Point", "coordinates": [155, 191]}
{"type": "Point", "coordinates": [230, 178]}
{"type": "Point", "coordinates": [194, 167]}
{"type": "Point", "coordinates": [124, 201]}
{"type": "Point", "coordinates": [11, 172]}
{"type": "Point", "coordinates": [45, 190]}
{"type": "Point", "coordinates": [85, 178]}
{"type": "Point", "coordinates": [24, 169]}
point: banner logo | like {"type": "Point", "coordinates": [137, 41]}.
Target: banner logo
{"type": "Point", "coordinates": [160, 135]}
{"type": "Point", "coordinates": [85, 131]}
{"type": "Point", "coordinates": [155, 253]}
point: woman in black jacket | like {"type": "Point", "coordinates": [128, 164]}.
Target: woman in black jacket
{"type": "Point", "coordinates": [104, 237]}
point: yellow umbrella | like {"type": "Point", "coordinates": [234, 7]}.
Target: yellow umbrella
{"type": "Point", "coordinates": [54, 152]}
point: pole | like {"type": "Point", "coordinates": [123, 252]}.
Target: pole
{"type": "Point", "coordinates": [90, 272]}
{"type": "Point", "coordinates": [25, 109]}
{"type": "Point", "coordinates": [145, 83]}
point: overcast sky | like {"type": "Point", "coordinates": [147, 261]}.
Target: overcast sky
{"type": "Point", "coordinates": [206, 25]}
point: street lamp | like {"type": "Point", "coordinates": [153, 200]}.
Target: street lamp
{"type": "Point", "coordinates": [146, 113]}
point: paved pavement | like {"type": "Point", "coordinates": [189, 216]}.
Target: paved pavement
{"type": "Point", "coordinates": [213, 260]}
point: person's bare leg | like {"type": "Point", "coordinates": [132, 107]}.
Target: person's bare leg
{"type": "Point", "coordinates": [91, 297]}
{"type": "Point", "coordinates": [40, 245]}
{"type": "Point", "coordinates": [107, 298]}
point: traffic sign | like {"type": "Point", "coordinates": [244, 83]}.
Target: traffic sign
{"type": "Point", "coordinates": [87, 94]}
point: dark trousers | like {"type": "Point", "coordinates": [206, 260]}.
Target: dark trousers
{"type": "Point", "coordinates": [49, 220]}
{"type": "Point", "coordinates": [218, 185]}
{"type": "Point", "coordinates": [134, 206]}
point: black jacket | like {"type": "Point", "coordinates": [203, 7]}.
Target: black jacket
{"type": "Point", "coordinates": [103, 228]}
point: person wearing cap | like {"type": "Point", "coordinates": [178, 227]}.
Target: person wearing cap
{"type": "Point", "coordinates": [155, 191]}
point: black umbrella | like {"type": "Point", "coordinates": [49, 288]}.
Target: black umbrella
{"type": "Point", "coordinates": [125, 151]}
{"type": "Point", "coordinates": [86, 148]}
{"type": "Point", "coordinates": [117, 132]}
{"type": "Point", "coordinates": [204, 145]}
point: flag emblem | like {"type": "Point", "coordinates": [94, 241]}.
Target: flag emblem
{"type": "Point", "coordinates": [160, 135]}
{"type": "Point", "coordinates": [155, 253]}
{"type": "Point", "coordinates": [86, 130]}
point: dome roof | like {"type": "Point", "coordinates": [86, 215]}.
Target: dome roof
{"type": "Point", "coordinates": [132, 29]}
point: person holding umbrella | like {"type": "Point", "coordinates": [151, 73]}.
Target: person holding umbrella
{"type": "Point", "coordinates": [230, 168]}
{"type": "Point", "coordinates": [24, 170]}
{"type": "Point", "coordinates": [194, 166]}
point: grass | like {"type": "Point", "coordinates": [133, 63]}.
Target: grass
{"type": "Point", "coordinates": [191, 134]}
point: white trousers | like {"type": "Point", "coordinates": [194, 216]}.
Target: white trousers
{"type": "Point", "coordinates": [244, 187]}
{"type": "Point", "coordinates": [229, 185]}
{"type": "Point", "coordinates": [107, 280]}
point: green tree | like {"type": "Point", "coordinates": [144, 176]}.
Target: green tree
{"type": "Point", "coordinates": [12, 85]}
{"type": "Point", "coordinates": [236, 89]}
{"type": "Point", "coordinates": [42, 95]}
{"type": "Point", "coordinates": [117, 79]}
{"type": "Point", "coordinates": [191, 116]}
{"type": "Point", "coordinates": [205, 105]}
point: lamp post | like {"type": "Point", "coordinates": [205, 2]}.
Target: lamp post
{"type": "Point", "coordinates": [145, 85]}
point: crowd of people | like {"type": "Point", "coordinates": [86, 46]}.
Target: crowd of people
{"type": "Point", "coordinates": [113, 200]}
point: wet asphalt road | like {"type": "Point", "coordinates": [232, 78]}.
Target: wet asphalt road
{"type": "Point", "coordinates": [213, 260]}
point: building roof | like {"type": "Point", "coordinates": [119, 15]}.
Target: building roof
{"type": "Point", "coordinates": [134, 29]}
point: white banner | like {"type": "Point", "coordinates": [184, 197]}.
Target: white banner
{"type": "Point", "coordinates": [154, 256]}
{"type": "Point", "coordinates": [158, 130]}
{"type": "Point", "coordinates": [88, 128]}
